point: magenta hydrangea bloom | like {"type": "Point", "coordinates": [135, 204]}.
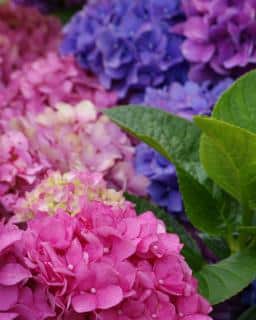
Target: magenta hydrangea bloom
{"type": "Point", "coordinates": [47, 81]}
{"type": "Point", "coordinates": [105, 262]}
{"type": "Point", "coordinates": [17, 299]}
{"type": "Point", "coordinates": [25, 35]}
{"type": "Point", "coordinates": [220, 37]}
{"type": "Point", "coordinates": [67, 138]}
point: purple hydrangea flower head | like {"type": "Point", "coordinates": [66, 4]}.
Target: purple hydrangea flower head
{"type": "Point", "coordinates": [50, 5]}
{"type": "Point", "coordinates": [128, 44]}
{"type": "Point", "coordinates": [220, 37]}
{"type": "Point", "coordinates": [186, 101]}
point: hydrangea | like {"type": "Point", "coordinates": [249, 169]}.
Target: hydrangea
{"type": "Point", "coordinates": [69, 137]}
{"type": "Point", "coordinates": [18, 300]}
{"type": "Point", "coordinates": [163, 188]}
{"type": "Point", "coordinates": [128, 44]}
{"type": "Point", "coordinates": [50, 5]}
{"type": "Point", "coordinates": [25, 35]}
{"type": "Point", "coordinates": [66, 191]}
{"type": "Point", "coordinates": [186, 101]}
{"type": "Point", "coordinates": [106, 263]}
{"type": "Point", "coordinates": [47, 81]}
{"type": "Point", "coordinates": [20, 167]}
{"type": "Point", "coordinates": [220, 37]}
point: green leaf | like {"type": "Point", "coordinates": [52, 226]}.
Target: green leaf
{"type": "Point", "coordinates": [223, 280]}
{"type": "Point", "coordinates": [175, 138]}
{"type": "Point", "coordinates": [178, 140]}
{"type": "Point", "coordinates": [228, 154]}
{"type": "Point", "coordinates": [249, 314]}
{"type": "Point", "coordinates": [218, 246]}
{"type": "Point", "coordinates": [201, 207]}
{"type": "Point", "coordinates": [66, 14]}
{"type": "Point", "coordinates": [190, 250]}
{"type": "Point", "coordinates": [237, 105]}
{"type": "Point", "coordinates": [248, 229]}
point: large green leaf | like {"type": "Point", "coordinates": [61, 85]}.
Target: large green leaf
{"type": "Point", "coordinates": [228, 154]}
{"type": "Point", "coordinates": [249, 314]}
{"type": "Point", "coordinates": [238, 104]}
{"type": "Point", "coordinates": [218, 246]}
{"type": "Point", "coordinates": [248, 230]}
{"type": "Point", "coordinates": [190, 250]}
{"type": "Point", "coordinates": [223, 280]}
{"type": "Point", "coordinates": [200, 205]}
{"type": "Point", "coordinates": [178, 140]}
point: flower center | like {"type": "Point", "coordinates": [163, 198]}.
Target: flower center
{"type": "Point", "coordinates": [106, 250]}
{"type": "Point", "coordinates": [70, 267]}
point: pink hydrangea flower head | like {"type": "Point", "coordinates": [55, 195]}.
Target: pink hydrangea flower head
{"type": "Point", "coordinates": [92, 142]}
{"type": "Point", "coordinates": [17, 299]}
{"type": "Point", "coordinates": [220, 37]}
{"type": "Point", "coordinates": [20, 168]}
{"type": "Point", "coordinates": [107, 263]}
{"type": "Point", "coordinates": [49, 80]}
{"type": "Point", "coordinates": [25, 35]}
{"type": "Point", "coordinates": [68, 192]}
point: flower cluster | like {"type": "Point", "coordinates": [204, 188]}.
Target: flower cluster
{"type": "Point", "coordinates": [106, 262]}
{"type": "Point", "coordinates": [47, 81]}
{"type": "Point", "coordinates": [67, 192]}
{"type": "Point", "coordinates": [20, 168]}
{"type": "Point", "coordinates": [128, 44]}
{"type": "Point", "coordinates": [25, 35]}
{"type": "Point", "coordinates": [46, 6]}
{"type": "Point", "coordinates": [220, 37]}
{"type": "Point", "coordinates": [17, 299]}
{"type": "Point", "coordinates": [163, 188]}
{"type": "Point", "coordinates": [186, 101]}
{"type": "Point", "coordinates": [69, 137]}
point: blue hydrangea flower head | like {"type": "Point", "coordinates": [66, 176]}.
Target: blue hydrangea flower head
{"type": "Point", "coordinates": [128, 44]}
{"type": "Point", "coordinates": [163, 188]}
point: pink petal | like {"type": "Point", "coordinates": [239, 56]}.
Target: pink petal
{"type": "Point", "coordinates": [74, 253]}
{"type": "Point", "coordinates": [8, 297]}
{"type": "Point", "coordinates": [84, 302]}
{"type": "Point", "coordinates": [13, 273]}
{"type": "Point", "coordinates": [9, 237]}
{"type": "Point", "coordinates": [8, 315]}
{"type": "Point", "coordinates": [122, 249]}
{"type": "Point", "coordinates": [109, 297]}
